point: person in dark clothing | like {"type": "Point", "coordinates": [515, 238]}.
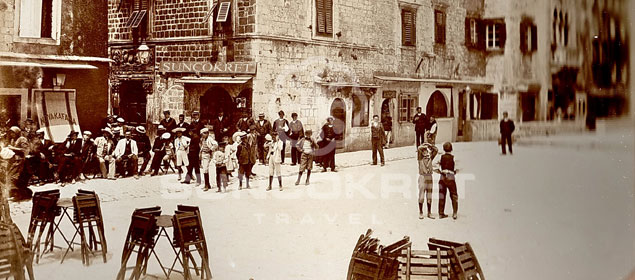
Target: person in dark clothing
{"type": "Point", "coordinates": [296, 132]}
{"type": "Point", "coordinates": [221, 126]}
{"type": "Point", "coordinates": [378, 139]}
{"type": "Point", "coordinates": [421, 123]}
{"type": "Point", "coordinates": [194, 159]}
{"type": "Point", "coordinates": [328, 145]}
{"type": "Point", "coordinates": [244, 123]}
{"type": "Point", "coordinates": [263, 127]}
{"type": "Point", "coordinates": [160, 147]}
{"type": "Point", "coordinates": [143, 144]}
{"type": "Point", "coordinates": [447, 182]}
{"type": "Point", "coordinates": [246, 160]}
{"type": "Point", "coordinates": [387, 122]}
{"type": "Point", "coordinates": [88, 158]}
{"type": "Point", "coordinates": [42, 151]}
{"type": "Point", "coordinates": [183, 124]}
{"type": "Point", "coordinates": [168, 122]}
{"type": "Point", "coordinates": [281, 127]}
{"type": "Point", "coordinates": [196, 125]}
{"type": "Point", "coordinates": [506, 128]}
{"type": "Point", "coordinates": [70, 155]}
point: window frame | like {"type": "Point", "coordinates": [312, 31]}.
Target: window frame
{"type": "Point", "coordinates": [440, 38]}
{"type": "Point", "coordinates": [528, 36]}
{"type": "Point", "coordinates": [328, 17]}
{"type": "Point", "coordinates": [405, 115]}
{"type": "Point", "coordinates": [364, 113]}
{"type": "Point", "coordinates": [56, 23]}
{"type": "Point", "coordinates": [410, 41]}
{"type": "Point", "coordinates": [498, 32]}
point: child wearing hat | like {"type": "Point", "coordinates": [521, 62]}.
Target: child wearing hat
{"type": "Point", "coordinates": [447, 182]}
{"type": "Point", "coordinates": [425, 154]}
{"type": "Point", "coordinates": [276, 147]}
{"type": "Point", "coordinates": [306, 146]}
{"type": "Point", "coordinates": [221, 168]}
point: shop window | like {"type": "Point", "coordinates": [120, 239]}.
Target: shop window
{"type": "Point", "coordinates": [408, 27]}
{"type": "Point", "coordinates": [439, 27]}
{"type": "Point", "coordinates": [324, 16]}
{"type": "Point", "coordinates": [528, 37]}
{"type": "Point", "coordinates": [360, 110]}
{"type": "Point", "coordinates": [37, 19]}
{"type": "Point", "coordinates": [407, 107]}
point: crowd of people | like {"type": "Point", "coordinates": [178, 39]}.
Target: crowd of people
{"type": "Point", "coordinates": [216, 149]}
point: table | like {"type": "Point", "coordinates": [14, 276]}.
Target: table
{"type": "Point", "coordinates": [64, 204]}
{"type": "Point", "coordinates": [163, 222]}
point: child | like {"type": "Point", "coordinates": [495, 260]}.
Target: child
{"type": "Point", "coordinates": [275, 150]}
{"type": "Point", "coordinates": [425, 154]}
{"type": "Point", "coordinates": [221, 169]}
{"type": "Point", "coordinates": [306, 146]}
{"type": "Point", "coordinates": [230, 152]}
{"type": "Point", "coordinates": [446, 182]}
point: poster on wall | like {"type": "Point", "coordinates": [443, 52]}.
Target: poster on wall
{"type": "Point", "coordinates": [56, 113]}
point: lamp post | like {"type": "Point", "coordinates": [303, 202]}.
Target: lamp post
{"type": "Point", "coordinates": [143, 53]}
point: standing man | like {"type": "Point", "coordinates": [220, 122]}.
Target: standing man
{"type": "Point", "coordinates": [105, 147]}
{"type": "Point", "coordinates": [431, 134]}
{"type": "Point", "coordinates": [193, 156]}
{"type": "Point", "coordinates": [507, 128]}
{"type": "Point", "coordinates": [421, 123]}
{"type": "Point", "coordinates": [208, 147]}
{"type": "Point", "coordinates": [275, 148]}
{"type": "Point", "coordinates": [378, 139]}
{"type": "Point", "coordinates": [182, 123]}
{"type": "Point", "coordinates": [181, 147]}
{"type": "Point", "coordinates": [246, 160]}
{"type": "Point", "coordinates": [328, 145]}
{"type": "Point", "coordinates": [263, 127]}
{"type": "Point", "coordinates": [143, 144]}
{"type": "Point", "coordinates": [196, 125]}
{"type": "Point", "coordinates": [244, 122]}
{"type": "Point", "coordinates": [281, 127]}
{"type": "Point", "coordinates": [387, 122]}
{"type": "Point", "coordinates": [127, 151]}
{"type": "Point", "coordinates": [297, 132]}
{"type": "Point", "coordinates": [221, 125]}
{"type": "Point", "coordinates": [168, 122]}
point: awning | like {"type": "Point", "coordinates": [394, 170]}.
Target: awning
{"type": "Point", "coordinates": [348, 85]}
{"type": "Point", "coordinates": [43, 64]}
{"type": "Point", "coordinates": [11, 56]}
{"type": "Point", "coordinates": [214, 80]}
{"type": "Point", "coordinates": [432, 81]}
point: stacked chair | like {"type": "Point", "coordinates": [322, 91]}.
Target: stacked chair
{"type": "Point", "coordinates": [189, 238]}
{"type": "Point", "coordinates": [140, 240]}
{"type": "Point", "coordinates": [89, 225]}
{"type": "Point", "coordinates": [43, 215]}
{"type": "Point", "coordinates": [371, 261]}
{"type": "Point", "coordinates": [464, 263]}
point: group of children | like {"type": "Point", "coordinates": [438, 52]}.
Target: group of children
{"type": "Point", "coordinates": [426, 153]}
{"type": "Point", "coordinates": [274, 147]}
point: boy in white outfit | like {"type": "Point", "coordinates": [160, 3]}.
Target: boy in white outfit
{"type": "Point", "coordinates": [182, 148]}
{"type": "Point", "coordinates": [275, 149]}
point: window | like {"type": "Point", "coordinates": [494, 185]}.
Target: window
{"type": "Point", "coordinates": [439, 27]}
{"type": "Point", "coordinates": [407, 107]}
{"type": "Point", "coordinates": [471, 32]}
{"type": "Point", "coordinates": [495, 34]}
{"type": "Point", "coordinates": [36, 19]}
{"type": "Point", "coordinates": [324, 16]}
{"type": "Point", "coordinates": [528, 37]}
{"type": "Point", "coordinates": [360, 109]}
{"type": "Point", "coordinates": [408, 27]}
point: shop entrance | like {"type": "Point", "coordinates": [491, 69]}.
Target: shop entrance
{"type": "Point", "coordinates": [216, 100]}
{"type": "Point", "coordinates": [338, 111]}
{"type": "Point", "coordinates": [132, 102]}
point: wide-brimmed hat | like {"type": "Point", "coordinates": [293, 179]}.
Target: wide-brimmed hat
{"type": "Point", "coordinates": [121, 120]}
{"type": "Point", "coordinates": [40, 131]}
{"type": "Point", "coordinates": [88, 133]}
{"type": "Point", "coordinates": [107, 129]}
{"type": "Point", "coordinates": [268, 137]}
{"type": "Point", "coordinates": [165, 136]}
{"type": "Point", "coordinates": [15, 129]}
{"type": "Point", "coordinates": [261, 114]}
{"type": "Point", "coordinates": [238, 135]}
{"type": "Point", "coordinates": [166, 111]}
{"type": "Point", "coordinates": [330, 118]}
{"type": "Point", "coordinates": [195, 113]}
{"type": "Point", "coordinates": [74, 132]}
{"type": "Point", "coordinates": [141, 129]}
{"type": "Point", "coordinates": [161, 127]}
{"type": "Point", "coordinates": [178, 129]}
{"type": "Point", "coordinates": [116, 129]}
{"type": "Point", "coordinates": [204, 130]}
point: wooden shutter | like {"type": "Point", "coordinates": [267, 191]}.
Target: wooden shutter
{"type": "Point", "coordinates": [407, 28]}
{"type": "Point", "coordinates": [502, 33]}
{"type": "Point", "coordinates": [523, 37]}
{"type": "Point", "coordinates": [439, 19]}
{"type": "Point", "coordinates": [223, 12]}
{"type": "Point", "coordinates": [328, 16]}
{"type": "Point", "coordinates": [534, 37]}
{"type": "Point", "coordinates": [468, 34]}
{"type": "Point", "coordinates": [480, 32]}
{"type": "Point", "coordinates": [321, 16]}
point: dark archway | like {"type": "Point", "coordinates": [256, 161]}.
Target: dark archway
{"type": "Point", "coordinates": [132, 102]}
{"type": "Point", "coordinates": [437, 106]}
{"type": "Point", "coordinates": [215, 100]}
{"type": "Point", "coordinates": [338, 111]}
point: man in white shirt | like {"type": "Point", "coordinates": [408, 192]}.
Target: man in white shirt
{"type": "Point", "coordinates": [431, 133]}
{"type": "Point", "coordinates": [181, 148]}
{"type": "Point", "coordinates": [126, 153]}
{"type": "Point", "coordinates": [105, 148]}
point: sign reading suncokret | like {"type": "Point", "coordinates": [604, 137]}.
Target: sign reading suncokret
{"type": "Point", "coordinates": [208, 67]}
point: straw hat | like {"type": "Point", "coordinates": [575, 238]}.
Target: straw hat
{"type": "Point", "coordinates": [165, 136]}
{"type": "Point", "coordinates": [141, 129]}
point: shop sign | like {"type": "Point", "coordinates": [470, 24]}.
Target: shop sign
{"type": "Point", "coordinates": [389, 94]}
{"type": "Point", "coordinates": [208, 67]}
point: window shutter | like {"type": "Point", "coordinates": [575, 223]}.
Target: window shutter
{"type": "Point", "coordinates": [523, 37]}
{"type": "Point", "coordinates": [321, 17]}
{"type": "Point", "coordinates": [502, 33]}
{"type": "Point", "coordinates": [407, 30]}
{"type": "Point", "coordinates": [223, 12]}
{"type": "Point", "coordinates": [480, 32]}
{"type": "Point", "coordinates": [468, 35]}
{"type": "Point", "coordinates": [442, 27]}
{"type": "Point", "coordinates": [534, 38]}
{"type": "Point", "coordinates": [328, 16]}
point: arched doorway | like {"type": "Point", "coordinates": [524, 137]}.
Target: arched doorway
{"type": "Point", "coordinates": [338, 111]}
{"type": "Point", "coordinates": [215, 100]}
{"type": "Point", "coordinates": [437, 106]}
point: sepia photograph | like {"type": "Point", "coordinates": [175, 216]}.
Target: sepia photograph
{"type": "Point", "coordinates": [317, 139]}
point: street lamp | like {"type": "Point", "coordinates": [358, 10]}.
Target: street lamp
{"type": "Point", "coordinates": [143, 53]}
{"type": "Point", "coordinates": [58, 80]}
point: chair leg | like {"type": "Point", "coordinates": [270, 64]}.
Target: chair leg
{"type": "Point", "coordinates": [186, 267]}
{"type": "Point", "coordinates": [102, 240]}
{"type": "Point", "coordinates": [36, 246]}
{"type": "Point", "coordinates": [124, 261]}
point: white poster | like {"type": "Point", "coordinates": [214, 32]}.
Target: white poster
{"type": "Point", "coordinates": [56, 113]}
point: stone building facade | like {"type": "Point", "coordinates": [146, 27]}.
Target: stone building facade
{"type": "Point", "coordinates": [42, 41]}
{"type": "Point", "coordinates": [313, 57]}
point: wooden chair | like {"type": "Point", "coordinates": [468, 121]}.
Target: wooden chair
{"type": "Point", "coordinates": [424, 265]}
{"type": "Point", "coordinates": [87, 210]}
{"type": "Point", "coordinates": [188, 232]}
{"type": "Point", "coordinates": [43, 214]}
{"type": "Point", "coordinates": [370, 261]}
{"type": "Point", "coordinates": [464, 263]}
{"type": "Point", "coordinates": [155, 212]}
{"type": "Point", "coordinates": [140, 235]}
{"type": "Point", "coordinates": [14, 253]}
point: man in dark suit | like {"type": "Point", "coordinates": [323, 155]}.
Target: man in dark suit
{"type": "Point", "coordinates": [197, 124]}
{"type": "Point", "coordinates": [168, 122]}
{"type": "Point", "coordinates": [42, 152]}
{"type": "Point", "coordinates": [244, 122]}
{"type": "Point", "coordinates": [506, 128]}
{"type": "Point", "coordinates": [378, 139]}
{"type": "Point", "coordinates": [328, 145]}
{"type": "Point", "coordinates": [421, 123]}
{"type": "Point", "coordinates": [87, 158]}
{"type": "Point", "coordinates": [71, 150]}
{"type": "Point", "coordinates": [263, 127]}
{"type": "Point", "coordinates": [221, 126]}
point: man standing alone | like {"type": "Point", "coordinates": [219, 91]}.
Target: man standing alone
{"type": "Point", "coordinates": [297, 131]}
{"type": "Point", "coordinates": [507, 128]}
{"type": "Point", "coordinates": [378, 139]}
{"type": "Point", "coordinates": [421, 123]}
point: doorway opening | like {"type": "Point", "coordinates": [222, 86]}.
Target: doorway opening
{"type": "Point", "coordinates": [437, 106]}
{"type": "Point", "coordinates": [132, 102]}
{"type": "Point", "coordinates": [338, 111]}
{"type": "Point", "coordinates": [215, 100]}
